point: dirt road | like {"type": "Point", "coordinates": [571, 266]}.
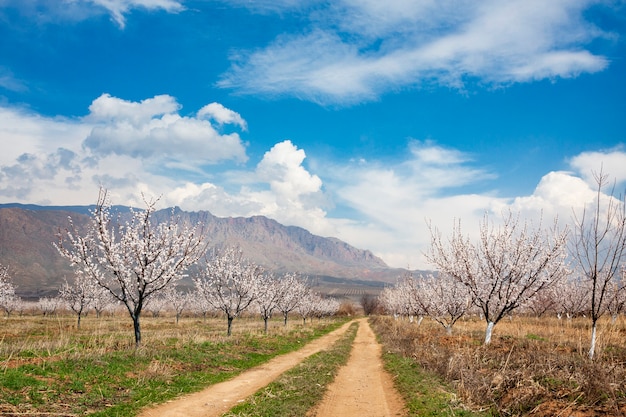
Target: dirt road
{"type": "Point", "coordinates": [219, 398]}
{"type": "Point", "coordinates": [362, 387]}
{"type": "Point", "coordinates": [365, 382]}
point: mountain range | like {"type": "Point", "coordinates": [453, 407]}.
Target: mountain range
{"type": "Point", "coordinates": [27, 233]}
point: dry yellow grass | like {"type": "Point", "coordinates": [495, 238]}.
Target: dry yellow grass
{"type": "Point", "coordinates": [534, 366]}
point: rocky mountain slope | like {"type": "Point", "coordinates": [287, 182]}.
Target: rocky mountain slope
{"type": "Point", "coordinates": [27, 233]}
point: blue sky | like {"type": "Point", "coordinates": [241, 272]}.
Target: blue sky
{"type": "Point", "coordinates": [361, 120]}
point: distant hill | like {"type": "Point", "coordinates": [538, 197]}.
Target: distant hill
{"type": "Point", "coordinates": [27, 233]}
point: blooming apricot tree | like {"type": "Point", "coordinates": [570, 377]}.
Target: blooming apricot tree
{"type": "Point", "coordinates": [509, 264]}
{"type": "Point", "coordinates": [134, 259]}
{"type": "Point", "coordinates": [444, 299]}
{"type": "Point", "coordinates": [572, 297]}
{"type": "Point", "coordinates": [292, 289]}
{"type": "Point", "coordinates": [392, 301]}
{"type": "Point", "coordinates": [599, 248]}
{"type": "Point", "coordinates": [229, 283]}
{"type": "Point", "coordinates": [269, 291]}
{"type": "Point", "coordinates": [80, 295]}
{"type": "Point", "coordinates": [178, 300]}
{"type": "Point", "coordinates": [8, 299]}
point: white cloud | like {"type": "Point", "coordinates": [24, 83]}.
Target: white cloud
{"type": "Point", "coordinates": [280, 187]}
{"type": "Point", "coordinates": [282, 167]}
{"type": "Point", "coordinates": [25, 132]}
{"type": "Point", "coordinates": [612, 163]}
{"type": "Point", "coordinates": [119, 8]}
{"type": "Point", "coordinates": [222, 115]}
{"type": "Point", "coordinates": [123, 145]}
{"type": "Point", "coordinates": [120, 144]}
{"type": "Point", "coordinates": [111, 109]}
{"type": "Point", "coordinates": [10, 82]}
{"type": "Point", "coordinates": [153, 130]}
{"type": "Point", "coordinates": [356, 50]}
{"type": "Point", "coordinates": [46, 11]}
{"type": "Point", "coordinates": [396, 201]}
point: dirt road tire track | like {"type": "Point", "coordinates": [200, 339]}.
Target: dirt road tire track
{"type": "Point", "coordinates": [362, 388]}
{"type": "Point", "coordinates": [219, 398]}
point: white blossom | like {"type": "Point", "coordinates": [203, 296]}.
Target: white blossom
{"type": "Point", "coordinates": [229, 283]}
{"type": "Point", "coordinates": [133, 259]}
{"type": "Point", "coordinates": [508, 266]}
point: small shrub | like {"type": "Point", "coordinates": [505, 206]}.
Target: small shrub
{"type": "Point", "coordinates": [347, 309]}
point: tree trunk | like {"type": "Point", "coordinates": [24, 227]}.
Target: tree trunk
{"type": "Point", "coordinates": [230, 325]}
{"type": "Point", "coordinates": [488, 332]}
{"type": "Point", "coordinates": [265, 320]}
{"type": "Point", "coordinates": [78, 321]}
{"type": "Point", "coordinates": [592, 349]}
{"type": "Point", "coordinates": [285, 316]}
{"type": "Point", "coordinates": [449, 330]}
{"type": "Point", "coordinates": [137, 328]}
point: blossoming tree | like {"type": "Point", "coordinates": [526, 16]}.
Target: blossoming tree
{"type": "Point", "coordinates": [134, 259]}
{"type": "Point", "coordinates": [599, 248]}
{"type": "Point", "coordinates": [509, 264]}
{"type": "Point", "coordinates": [229, 283]}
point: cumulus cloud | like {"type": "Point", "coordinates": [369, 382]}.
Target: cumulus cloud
{"type": "Point", "coordinates": [153, 130]}
{"type": "Point", "coordinates": [110, 109]}
{"type": "Point", "coordinates": [394, 203]}
{"type": "Point", "coordinates": [25, 132]}
{"type": "Point", "coordinates": [565, 195]}
{"type": "Point", "coordinates": [222, 115]}
{"type": "Point", "coordinates": [612, 163]}
{"type": "Point", "coordinates": [124, 145]}
{"type": "Point", "coordinates": [355, 51]}
{"type": "Point", "coordinates": [279, 187]}
{"type": "Point", "coordinates": [282, 167]}
{"type": "Point", "coordinates": [120, 144]}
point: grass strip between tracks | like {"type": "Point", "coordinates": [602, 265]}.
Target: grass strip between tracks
{"type": "Point", "coordinates": [299, 389]}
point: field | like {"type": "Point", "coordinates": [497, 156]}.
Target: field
{"type": "Point", "coordinates": [49, 367]}
{"type": "Point", "coordinates": [534, 366]}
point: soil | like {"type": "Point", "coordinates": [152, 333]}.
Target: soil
{"type": "Point", "coordinates": [362, 387]}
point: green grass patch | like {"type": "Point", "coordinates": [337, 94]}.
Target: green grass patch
{"type": "Point", "coordinates": [532, 336]}
{"type": "Point", "coordinates": [299, 389]}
